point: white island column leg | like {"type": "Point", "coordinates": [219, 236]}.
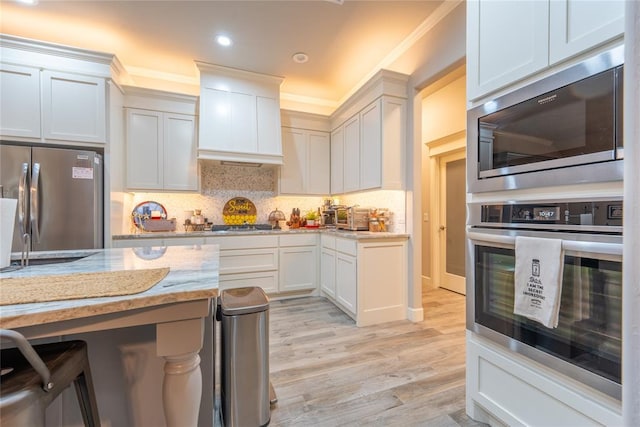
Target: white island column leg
{"type": "Point", "coordinates": [179, 343]}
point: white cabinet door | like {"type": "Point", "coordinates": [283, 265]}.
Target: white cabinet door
{"type": "Point", "coordinates": [346, 282]}
{"type": "Point", "coordinates": [73, 107]}
{"type": "Point", "coordinates": [161, 151]}
{"type": "Point", "coordinates": [306, 162]}
{"type": "Point", "coordinates": [244, 134]}
{"type": "Point", "coordinates": [578, 25]}
{"type": "Point", "coordinates": [352, 154]}
{"type": "Point", "coordinates": [298, 268]}
{"type": "Point", "coordinates": [328, 272]}
{"type": "Point", "coordinates": [268, 126]}
{"type": "Point", "coordinates": [215, 111]}
{"type": "Point", "coordinates": [180, 152]}
{"type": "Point", "coordinates": [294, 170]}
{"type": "Point", "coordinates": [318, 160]}
{"type": "Point", "coordinates": [144, 149]}
{"type": "Point", "coordinates": [506, 41]}
{"type": "Point", "coordinates": [337, 161]}
{"type": "Point", "coordinates": [371, 146]}
{"type": "Point", "coordinates": [227, 121]}
{"type": "Point", "coordinates": [20, 101]}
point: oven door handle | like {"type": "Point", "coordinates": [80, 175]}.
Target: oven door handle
{"type": "Point", "coordinates": [575, 246]}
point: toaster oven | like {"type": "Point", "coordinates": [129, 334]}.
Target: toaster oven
{"type": "Point", "coordinates": [352, 218]}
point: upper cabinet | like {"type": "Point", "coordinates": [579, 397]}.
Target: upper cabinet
{"type": "Point", "coordinates": [508, 41]}
{"type": "Point", "coordinates": [239, 116]}
{"type": "Point", "coordinates": [161, 142]}
{"type": "Point", "coordinates": [53, 94]}
{"type": "Point", "coordinates": [20, 101]}
{"type": "Point", "coordinates": [74, 107]}
{"type": "Point", "coordinates": [577, 25]}
{"type": "Point", "coordinates": [307, 154]}
{"type": "Point", "coordinates": [368, 138]}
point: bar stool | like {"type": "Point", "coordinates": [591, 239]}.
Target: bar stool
{"type": "Point", "coordinates": [33, 376]}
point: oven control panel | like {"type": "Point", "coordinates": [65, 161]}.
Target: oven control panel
{"type": "Point", "coordinates": [601, 213]}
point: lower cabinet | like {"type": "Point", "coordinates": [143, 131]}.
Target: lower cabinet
{"type": "Point", "coordinates": [298, 262]}
{"type": "Point", "coordinates": [346, 282]}
{"type": "Point", "coordinates": [367, 278]}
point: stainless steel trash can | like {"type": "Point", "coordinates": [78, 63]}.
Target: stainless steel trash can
{"type": "Point", "coordinates": [244, 364]}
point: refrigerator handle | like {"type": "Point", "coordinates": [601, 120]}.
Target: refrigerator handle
{"type": "Point", "coordinates": [34, 212]}
{"type": "Point", "coordinates": [22, 200]}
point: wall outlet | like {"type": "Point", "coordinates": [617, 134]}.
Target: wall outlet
{"type": "Point", "coordinates": [425, 217]}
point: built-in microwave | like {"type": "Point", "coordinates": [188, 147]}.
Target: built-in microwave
{"type": "Point", "coordinates": [546, 133]}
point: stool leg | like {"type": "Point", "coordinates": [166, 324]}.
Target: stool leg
{"type": "Point", "coordinates": [87, 398]}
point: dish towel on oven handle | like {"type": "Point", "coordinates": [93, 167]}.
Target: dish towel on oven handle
{"type": "Point", "coordinates": [538, 279]}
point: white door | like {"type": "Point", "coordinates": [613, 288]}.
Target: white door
{"type": "Point", "coordinates": [452, 201]}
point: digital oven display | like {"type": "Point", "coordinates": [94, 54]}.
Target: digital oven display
{"type": "Point", "coordinates": [546, 214]}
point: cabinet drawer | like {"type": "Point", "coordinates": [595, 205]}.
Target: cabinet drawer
{"type": "Point", "coordinates": [243, 242]}
{"type": "Point", "coordinates": [328, 242]}
{"type": "Point", "coordinates": [267, 280]}
{"type": "Point", "coordinates": [179, 241]}
{"type": "Point", "coordinates": [346, 246]}
{"type": "Point", "coordinates": [299, 240]}
{"type": "Point", "coordinates": [137, 243]}
{"type": "Point", "coordinates": [248, 260]}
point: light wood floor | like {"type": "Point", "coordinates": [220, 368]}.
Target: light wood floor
{"type": "Point", "coordinates": [328, 372]}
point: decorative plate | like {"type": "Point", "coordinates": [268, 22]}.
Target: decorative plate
{"type": "Point", "coordinates": [239, 210]}
{"type": "Point", "coordinates": [149, 253]}
{"type": "Point", "coordinates": [146, 210]}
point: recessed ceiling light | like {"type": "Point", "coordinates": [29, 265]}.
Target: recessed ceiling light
{"type": "Point", "coordinates": [28, 2]}
{"type": "Point", "coordinates": [223, 40]}
{"type": "Point", "coordinates": [300, 57]}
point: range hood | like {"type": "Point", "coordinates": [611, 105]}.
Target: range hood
{"type": "Point", "coordinates": [239, 113]}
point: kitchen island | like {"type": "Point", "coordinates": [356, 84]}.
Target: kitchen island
{"type": "Point", "coordinates": [177, 305]}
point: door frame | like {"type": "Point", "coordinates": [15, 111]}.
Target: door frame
{"type": "Point", "coordinates": [451, 144]}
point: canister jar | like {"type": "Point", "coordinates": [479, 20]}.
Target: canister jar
{"type": "Point", "coordinates": [374, 225]}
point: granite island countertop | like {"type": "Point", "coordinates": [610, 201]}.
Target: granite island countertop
{"type": "Point", "coordinates": [193, 275]}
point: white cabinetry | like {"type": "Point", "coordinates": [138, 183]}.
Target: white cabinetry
{"type": "Point", "coordinates": [351, 165]}
{"type": "Point", "coordinates": [239, 116]}
{"type": "Point", "coordinates": [509, 41]}
{"type": "Point", "coordinates": [366, 278]}
{"type": "Point", "coordinates": [368, 138]}
{"type": "Point", "coordinates": [161, 151]}
{"type": "Point", "coordinates": [73, 107]}
{"type": "Point", "coordinates": [248, 261]}
{"type": "Point", "coordinates": [161, 142]}
{"type": "Point", "coordinates": [495, 374]}
{"type": "Point", "coordinates": [298, 262]}
{"type": "Point", "coordinates": [48, 105]}
{"type": "Point", "coordinates": [337, 161]}
{"type": "Point", "coordinates": [52, 93]}
{"type": "Point", "coordinates": [306, 167]}
{"type": "Point", "coordinates": [577, 25]}
{"type": "Point", "coordinates": [328, 265]}
{"type": "Point", "coordinates": [20, 101]}
{"type": "Point", "coordinates": [347, 275]}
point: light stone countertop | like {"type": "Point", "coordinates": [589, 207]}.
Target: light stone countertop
{"type": "Point", "coordinates": [193, 275]}
{"type": "Point", "coordinates": [356, 235]}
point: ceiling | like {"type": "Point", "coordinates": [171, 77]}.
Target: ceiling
{"type": "Point", "coordinates": [159, 40]}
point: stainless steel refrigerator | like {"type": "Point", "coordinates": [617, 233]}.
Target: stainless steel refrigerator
{"type": "Point", "coordinates": [60, 196]}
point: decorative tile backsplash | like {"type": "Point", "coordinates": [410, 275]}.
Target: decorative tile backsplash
{"type": "Point", "coordinates": [220, 183]}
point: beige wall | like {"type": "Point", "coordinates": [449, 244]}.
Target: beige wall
{"type": "Point", "coordinates": [443, 115]}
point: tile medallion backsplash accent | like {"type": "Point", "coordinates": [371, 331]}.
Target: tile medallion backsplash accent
{"type": "Point", "coordinates": [220, 183]}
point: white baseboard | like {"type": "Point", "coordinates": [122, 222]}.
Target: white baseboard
{"type": "Point", "coordinates": [415, 314]}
